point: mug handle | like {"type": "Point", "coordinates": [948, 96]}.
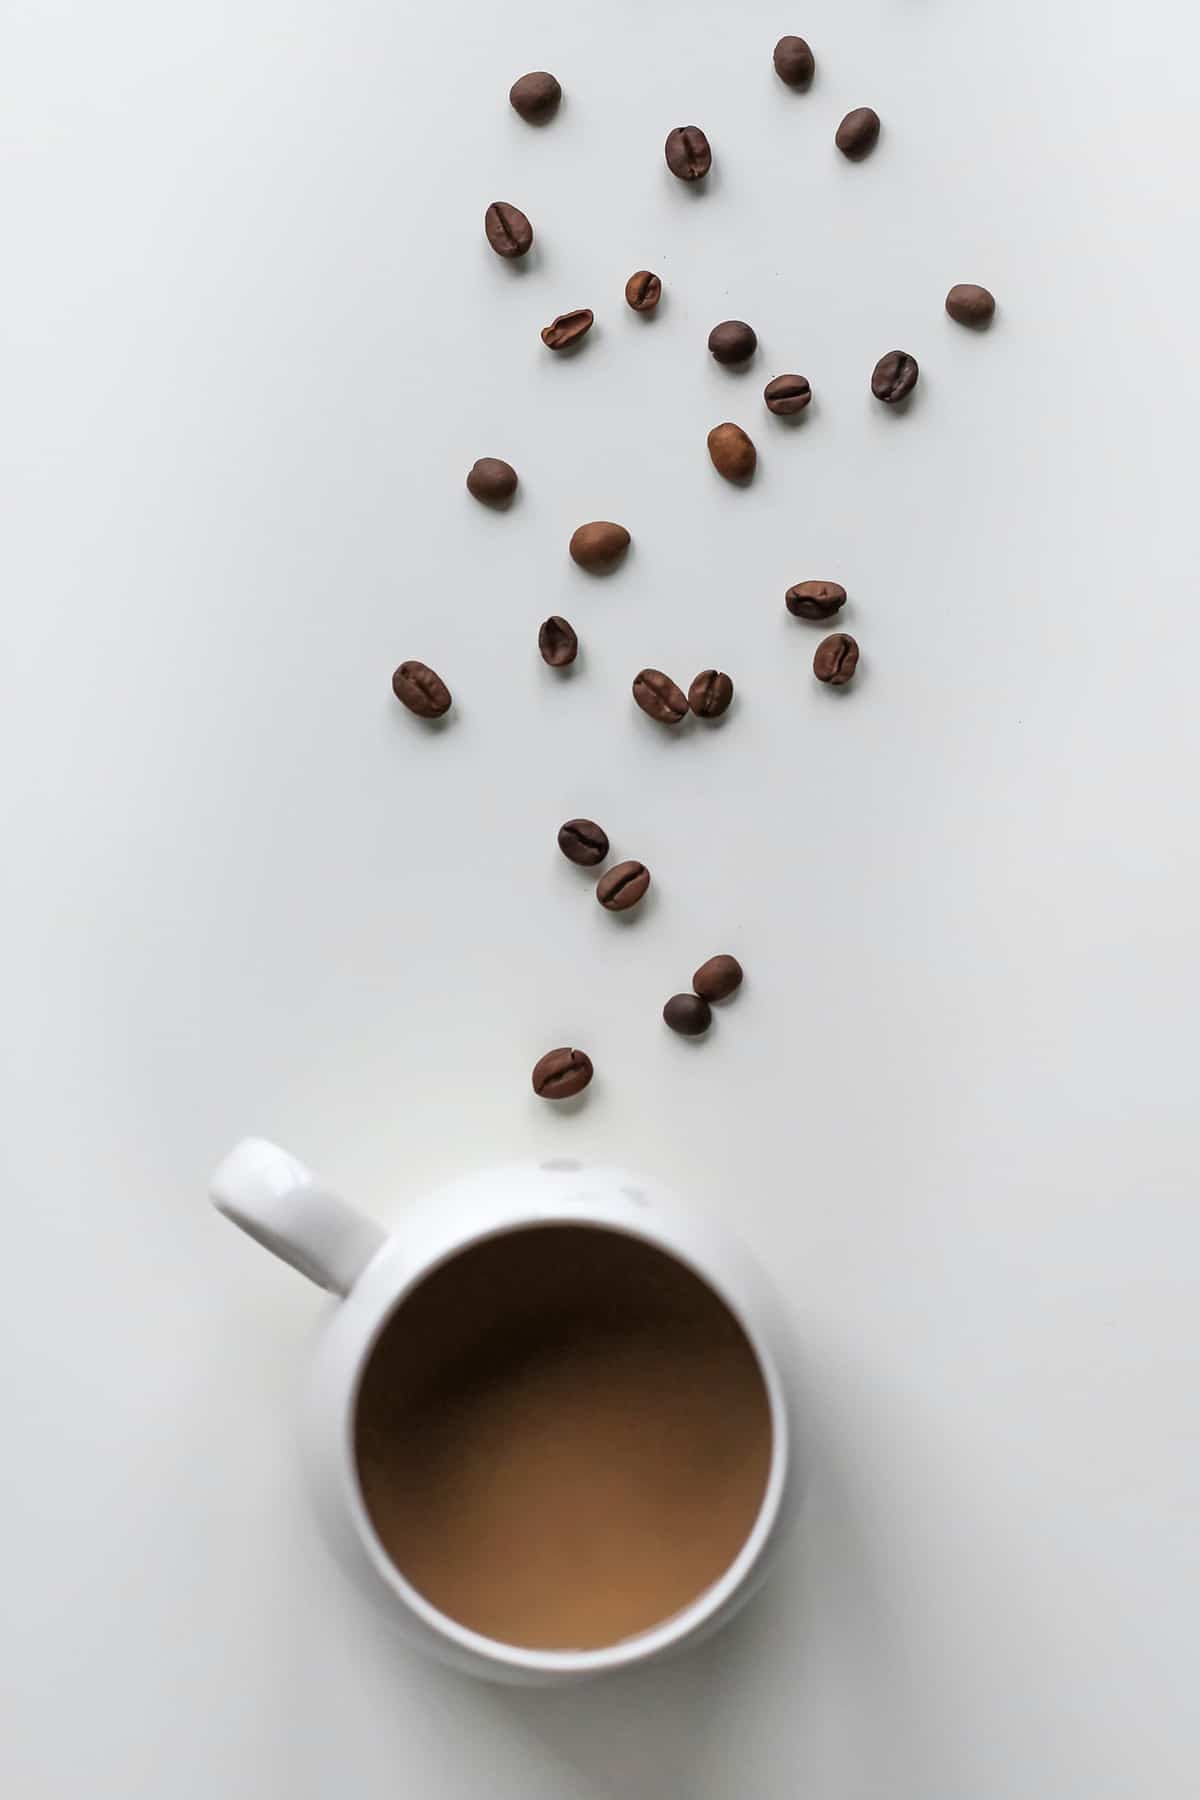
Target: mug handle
{"type": "Point", "coordinates": [276, 1201]}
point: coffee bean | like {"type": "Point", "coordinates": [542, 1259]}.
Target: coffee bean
{"type": "Point", "coordinates": [688, 153]}
{"type": "Point", "coordinates": [535, 96]}
{"type": "Point", "coordinates": [815, 599]}
{"type": "Point", "coordinates": [710, 694]}
{"type": "Point", "coordinates": [787, 394]}
{"type": "Point", "coordinates": [492, 481]}
{"type": "Point", "coordinates": [622, 886]}
{"type": "Point", "coordinates": [423, 692]}
{"type": "Point", "coordinates": [894, 377]}
{"type": "Point", "coordinates": [970, 305]}
{"type": "Point", "coordinates": [568, 328]}
{"type": "Point", "coordinates": [717, 978]}
{"type": "Point", "coordinates": [733, 455]}
{"type": "Point", "coordinates": [561, 1073]}
{"type": "Point", "coordinates": [643, 291]}
{"type": "Point", "coordinates": [794, 62]}
{"type": "Point", "coordinates": [508, 230]}
{"type": "Point", "coordinates": [598, 545]}
{"type": "Point", "coordinates": [688, 1014]}
{"type": "Point", "coordinates": [659, 696]}
{"type": "Point", "coordinates": [857, 134]}
{"type": "Point", "coordinates": [733, 341]}
{"type": "Point", "coordinates": [557, 642]}
{"type": "Point", "coordinates": [836, 659]}
{"type": "Point", "coordinates": [584, 842]}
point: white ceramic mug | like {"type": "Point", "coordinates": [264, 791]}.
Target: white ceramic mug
{"type": "Point", "coordinates": [277, 1201]}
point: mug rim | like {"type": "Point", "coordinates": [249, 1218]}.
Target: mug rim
{"type": "Point", "coordinates": [642, 1644]}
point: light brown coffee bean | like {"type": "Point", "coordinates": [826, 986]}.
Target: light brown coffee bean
{"type": "Point", "coordinates": [717, 978]}
{"type": "Point", "coordinates": [622, 886]}
{"type": "Point", "coordinates": [421, 690]}
{"type": "Point", "coordinates": [561, 1074]}
{"type": "Point", "coordinates": [733, 454]}
{"type": "Point", "coordinates": [643, 291]}
{"type": "Point", "coordinates": [835, 659]}
{"type": "Point", "coordinates": [970, 305]}
{"type": "Point", "coordinates": [660, 697]}
{"type": "Point", "coordinates": [568, 328]}
{"type": "Point", "coordinates": [507, 229]}
{"type": "Point", "coordinates": [599, 545]}
{"type": "Point", "coordinates": [710, 694]}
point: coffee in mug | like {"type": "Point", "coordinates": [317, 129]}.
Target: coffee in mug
{"type": "Point", "coordinates": [562, 1437]}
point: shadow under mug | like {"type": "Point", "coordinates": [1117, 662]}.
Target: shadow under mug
{"type": "Point", "coordinates": [547, 1424]}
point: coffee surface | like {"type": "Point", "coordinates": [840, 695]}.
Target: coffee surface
{"type": "Point", "coordinates": [563, 1438]}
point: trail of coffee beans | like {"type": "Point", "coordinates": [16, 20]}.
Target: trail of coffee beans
{"type": "Point", "coordinates": [600, 546]}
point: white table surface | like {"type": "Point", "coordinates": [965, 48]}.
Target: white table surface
{"type": "Point", "coordinates": [256, 341]}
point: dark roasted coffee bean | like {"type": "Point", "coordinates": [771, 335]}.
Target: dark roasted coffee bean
{"type": "Point", "coordinates": [659, 696]}
{"type": "Point", "coordinates": [717, 978]}
{"type": "Point", "coordinates": [561, 1073]}
{"type": "Point", "coordinates": [568, 328]}
{"type": "Point", "coordinates": [836, 659]}
{"type": "Point", "coordinates": [508, 230]}
{"type": "Point", "coordinates": [423, 692]}
{"type": "Point", "coordinates": [599, 545]}
{"type": "Point", "coordinates": [710, 694]}
{"type": "Point", "coordinates": [687, 1014]}
{"type": "Point", "coordinates": [584, 842]}
{"type": "Point", "coordinates": [688, 153]}
{"type": "Point", "coordinates": [732, 341]}
{"type": "Point", "coordinates": [535, 96]}
{"type": "Point", "coordinates": [557, 642]}
{"type": "Point", "coordinates": [970, 305]}
{"type": "Point", "coordinates": [794, 62]}
{"type": "Point", "coordinates": [857, 134]}
{"type": "Point", "coordinates": [894, 377]}
{"type": "Point", "coordinates": [643, 291]}
{"type": "Point", "coordinates": [622, 886]}
{"type": "Point", "coordinates": [492, 481]}
{"type": "Point", "coordinates": [787, 394]}
{"type": "Point", "coordinates": [733, 455]}
{"type": "Point", "coordinates": [815, 599]}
